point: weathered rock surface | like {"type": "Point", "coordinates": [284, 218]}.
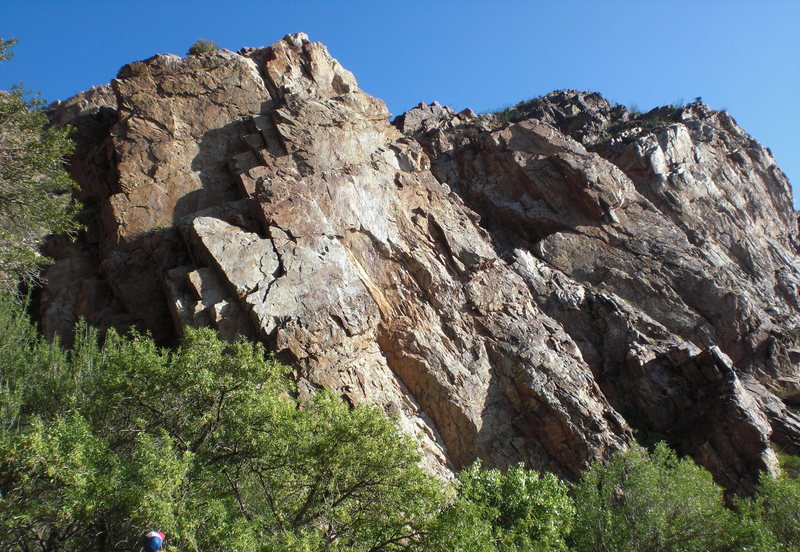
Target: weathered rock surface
{"type": "Point", "coordinates": [663, 243]}
{"type": "Point", "coordinates": [510, 292]}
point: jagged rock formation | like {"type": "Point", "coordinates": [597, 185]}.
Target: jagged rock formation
{"type": "Point", "coordinates": [664, 244]}
{"type": "Point", "coordinates": [511, 291]}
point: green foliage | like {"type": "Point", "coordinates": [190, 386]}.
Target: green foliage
{"type": "Point", "coordinates": [519, 510]}
{"type": "Point", "coordinates": [653, 119]}
{"type": "Point", "coordinates": [5, 48]}
{"type": "Point", "coordinates": [639, 502]}
{"type": "Point", "coordinates": [790, 464]}
{"type": "Point", "coordinates": [202, 46]}
{"type": "Point", "coordinates": [205, 442]}
{"type": "Point", "coordinates": [210, 444]}
{"type": "Point", "coordinates": [635, 502]}
{"type": "Point", "coordinates": [35, 197]}
{"type": "Point", "coordinates": [658, 117]}
{"type": "Point", "coordinates": [771, 518]}
{"type": "Point", "coordinates": [472, 132]}
{"type": "Point", "coordinates": [789, 396]}
{"type": "Point", "coordinates": [519, 111]}
{"type": "Point", "coordinates": [64, 488]}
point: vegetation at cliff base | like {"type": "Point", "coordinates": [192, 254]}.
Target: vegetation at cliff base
{"type": "Point", "coordinates": [640, 501]}
{"type": "Point", "coordinates": [35, 190]}
{"type": "Point", "coordinates": [513, 511]}
{"type": "Point", "coordinates": [206, 442]}
{"type": "Point", "coordinates": [210, 444]}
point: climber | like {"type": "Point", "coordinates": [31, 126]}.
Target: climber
{"type": "Point", "coordinates": [154, 540]}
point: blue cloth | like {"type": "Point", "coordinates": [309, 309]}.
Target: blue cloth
{"type": "Point", "coordinates": [153, 541]}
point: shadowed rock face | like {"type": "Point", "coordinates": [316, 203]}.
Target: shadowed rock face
{"type": "Point", "coordinates": [666, 246]}
{"type": "Point", "coordinates": [264, 194]}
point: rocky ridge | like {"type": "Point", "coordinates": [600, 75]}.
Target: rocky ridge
{"type": "Point", "coordinates": [511, 291]}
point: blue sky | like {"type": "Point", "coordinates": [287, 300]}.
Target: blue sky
{"type": "Point", "coordinates": [743, 56]}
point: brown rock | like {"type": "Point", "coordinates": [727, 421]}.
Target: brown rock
{"type": "Point", "coordinates": [637, 262]}
{"type": "Point", "coordinates": [178, 119]}
{"type": "Point", "coordinates": [264, 194]}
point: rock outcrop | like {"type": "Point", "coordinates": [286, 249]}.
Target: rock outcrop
{"type": "Point", "coordinates": [663, 243]}
{"type": "Point", "coordinates": [510, 291]}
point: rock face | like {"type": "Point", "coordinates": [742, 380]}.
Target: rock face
{"type": "Point", "coordinates": [510, 291]}
{"type": "Point", "coordinates": [663, 243]}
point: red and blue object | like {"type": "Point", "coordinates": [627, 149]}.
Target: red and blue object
{"type": "Point", "coordinates": [153, 541]}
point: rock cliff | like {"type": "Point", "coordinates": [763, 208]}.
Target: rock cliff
{"type": "Point", "coordinates": [529, 287]}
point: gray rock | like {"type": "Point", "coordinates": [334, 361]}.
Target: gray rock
{"type": "Point", "coordinates": [510, 292]}
{"type": "Point", "coordinates": [671, 239]}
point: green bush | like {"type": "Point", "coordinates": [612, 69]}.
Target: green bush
{"type": "Point", "coordinates": [205, 442]}
{"type": "Point", "coordinates": [516, 511]}
{"type": "Point", "coordinates": [5, 48]}
{"type": "Point", "coordinates": [209, 443]}
{"type": "Point", "coordinates": [35, 190]}
{"type": "Point", "coordinates": [771, 518]}
{"type": "Point", "coordinates": [790, 464]}
{"type": "Point", "coordinates": [202, 46]}
{"type": "Point", "coordinates": [519, 111]}
{"type": "Point", "coordinates": [657, 502]}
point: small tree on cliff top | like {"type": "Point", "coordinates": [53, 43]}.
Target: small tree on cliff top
{"type": "Point", "coordinates": [35, 197]}
{"type": "Point", "coordinates": [202, 46]}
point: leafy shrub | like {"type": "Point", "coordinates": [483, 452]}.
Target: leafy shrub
{"type": "Point", "coordinates": [208, 443]}
{"type": "Point", "coordinates": [790, 397]}
{"type": "Point", "coordinates": [35, 190]}
{"type": "Point", "coordinates": [771, 518]}
{"type": "Point", "coordinates": [639, 502]}
{"type": "Point", "coordinates": [472, 132]}
{"type": "Point", "coordinates": [789, 463]}
{"type": "Point", "coordinates": [653, 119]}
{"type": "Point", "coordinates": [202, 46]}
{"type": "Point", "coordinates": [519, 111]}
{"type": "Point", "coordinates": [205, 442]}
{"type": "Point", "coordinates": [5, 48]}
{"type": "Point", "coordinates": [519, 510]}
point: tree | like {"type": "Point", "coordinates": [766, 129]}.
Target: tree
{"type": "Point", "coordinates": [517, 511]}
{"type": "Point", "coordinates": [207, 442]}
{"type": "Point", "coordinates": [35, 190]}
{"type": "Point", "coordinates": [770, 519]}
{"type": "Point", "coordinates": [5, 48]}
{"type": "Point", "coordinates": [640, 502]}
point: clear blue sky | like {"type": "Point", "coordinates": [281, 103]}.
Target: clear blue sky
{"type": "Point", "coordinates": [740, 55]}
